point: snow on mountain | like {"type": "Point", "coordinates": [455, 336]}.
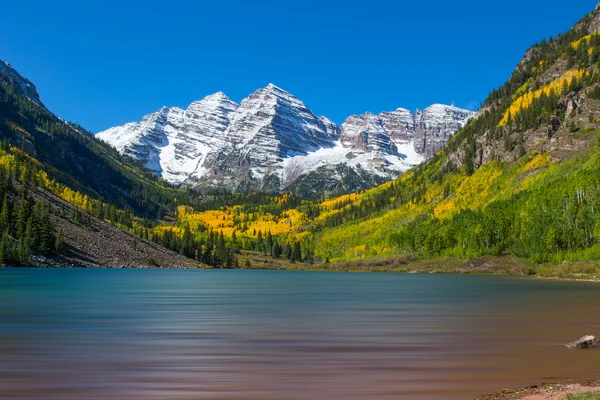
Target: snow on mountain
{"type": "Point", "coordinates": [268, 126]}
{"type": "Point", "coordinates": [435, 125]}
{"type": "Point", "coordinates": [24, 84]}
{"type": "Point", "coordinates": [174, 142]}
{"type": "Point", "coordinates": [366, 132]}
{"type": "Point", "coordinates": [271, 139]}
{"type": "Point", "coordinates": [428, 130]}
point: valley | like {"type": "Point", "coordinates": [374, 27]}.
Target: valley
{"type": "Point", "coordinates": [200, 251]}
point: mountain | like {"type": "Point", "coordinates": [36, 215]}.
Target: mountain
{"type": "Point", "coordinates": [522, 179]}
{"type": "Point", "coordinates": [19, 83]}
{"type": "Point", "coordinates": [69, 199]}
{"type": "Point", "coordinates": [272, 141]}
{"type": "Point", "coordinates": [516, 190]}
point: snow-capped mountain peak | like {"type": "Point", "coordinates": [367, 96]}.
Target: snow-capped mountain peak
{"type": "Point", "coordinates": [272, 139]}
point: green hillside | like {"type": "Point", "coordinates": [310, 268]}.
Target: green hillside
{"type": "Point", "coordinates": [521, 179]}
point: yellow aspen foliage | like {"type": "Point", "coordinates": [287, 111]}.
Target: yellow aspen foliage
{"type": "Point", "coordinates": [522, 90]}
{"type": "Point", "coordinates": [539, 161]}
{"type": "Point", "coordinates": [474, 192]}
{"type": "Point", "coordinates": [185, 212]}
{"type": "Point", "coordinates": [42, 178]}
{"type": "Point", "coordinates": [558, 86]}
{"type": "Point", "coordinates": [334, 203]}
{"type": "Point", "coordinates": [19, 129]}
{"type": "Point", "coordinates": [283, 199]}
{"type": "Point", "coordinates": [575, 45]}
{"type": "Point", "coordinates": [443, 208]}
{"type": "Point", "coordinates": [357, 251]}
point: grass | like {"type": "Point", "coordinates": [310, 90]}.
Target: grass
{"type": "Point", "coordinates": [486, 265]}
{"type": "Point", "coordinates": [584, 396]}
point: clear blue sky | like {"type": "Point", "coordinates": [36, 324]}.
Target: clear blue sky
{"type": "Point", "coordinates": [104, 63]}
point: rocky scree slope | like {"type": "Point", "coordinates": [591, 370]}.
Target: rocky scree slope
{"type": "Point", "coordinates": [93, 243]}
{"type": "Point", "coordinates": [272, 141]}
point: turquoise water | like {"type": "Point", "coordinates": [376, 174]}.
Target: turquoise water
{"type": "Point", "coordinates": [214, 334]}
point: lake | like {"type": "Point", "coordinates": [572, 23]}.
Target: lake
{"type": "Point", "coordinates": [237, 334]}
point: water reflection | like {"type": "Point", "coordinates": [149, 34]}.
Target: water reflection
{"type": "Point", "coordinates": [70, 334]}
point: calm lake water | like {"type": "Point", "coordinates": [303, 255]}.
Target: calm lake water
{"type": "Point", "coordinates": [192, 334]}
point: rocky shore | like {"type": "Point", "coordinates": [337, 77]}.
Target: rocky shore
{"type": "Point", "coordinates": [546, 391]}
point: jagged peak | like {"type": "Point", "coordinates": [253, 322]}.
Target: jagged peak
{"type": "Point", "coordinates": [220, 96]}
{"type": "Point", "coordinates": [273, 87]}
{"type": "Point", "coordinates": [272, 95]}
{"type": "Point", "coordinates": [276, 91]}
{"type": "Point", "coordinates": [365, 115]}
{"type": "Point", "coordinates": [270, 89]}
{"type": "Point", "coordinates": [439, 106]}
{"type": "Point", "coordinates": [399, 112]}
{"type": "Point", "coordinates": [444, 108]}
{"type": "Point", "coordinates": [215, 100]}
{"type": "Point", "coordinates": [25, 85]}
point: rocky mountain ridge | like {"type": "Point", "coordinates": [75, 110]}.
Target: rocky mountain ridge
{"type": "Point", "coordinates": [272, 138]}
{"type": "Point", "coordinates": [23, 84]}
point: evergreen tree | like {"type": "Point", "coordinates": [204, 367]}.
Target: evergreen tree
{"type": "Point", "coordinates": [59, 242]}
{"type": "Point", "coordinates": [5, 215]}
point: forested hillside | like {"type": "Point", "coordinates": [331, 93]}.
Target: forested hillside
{"type": "Point", "coordinates": [72, 156]}
{"type": "Point", "coordinates": [522, 179]}
{"type": "Point", "coordinates": [41, 156]}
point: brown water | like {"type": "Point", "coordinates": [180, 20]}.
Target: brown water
{"type": "Point", "coordinates": [153, 334]}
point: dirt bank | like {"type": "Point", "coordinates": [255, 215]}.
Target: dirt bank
{"type": "Point", "coordinates": [546, 391]}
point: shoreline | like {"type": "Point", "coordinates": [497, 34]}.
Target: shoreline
{"type": "Point", "coordinates": [485, 265]}
{"type": "Point", "coordinates": [551, 390]}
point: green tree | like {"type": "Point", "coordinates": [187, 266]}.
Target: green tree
{"type": "Point", "coordinates": [59, 242]}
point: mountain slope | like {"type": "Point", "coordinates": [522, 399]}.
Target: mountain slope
{"type": "Point", "coordinates": [45, 161]}
{"type": "Point", "coordinates": [272, 139]}
{"type": "Point", "coordinates": [19, 84]}
{"type": "Point", "coordinates": [520, 180]}
{"type": "Point", "coordinates": [91, 242]}
{"type": "Point", "coordinates": [73, 156]}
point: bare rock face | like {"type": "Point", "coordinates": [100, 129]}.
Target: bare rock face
{"type": "Point", "coordinates": [366, 132]}
{"type": "Point", "coordinates": [595, 24]}
{"type": "Point", "coordinates": [399, 125]}
{"type": "Point", "coordinates": [21, 83]}
{"type": "Point", "coordinates": [271, 139]}
{"type": "Point", "coordinates": [435, 125]}
{"type": "Point", "coordinates": [584, 342]}
{"type": "Point", "coordinates": [426, 131]}
{"type": "Point", "coordinates": [331, 128]}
